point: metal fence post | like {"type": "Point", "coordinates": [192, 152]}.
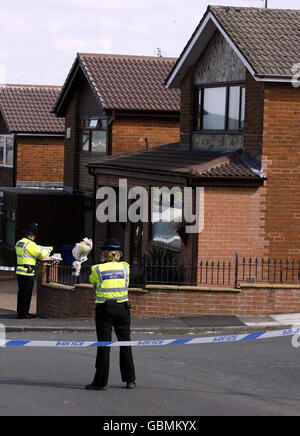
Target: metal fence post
{"type": "Point", "coordinates": [236, 271]}
{"type": "Point", "coordinates": [47, 273]}
{"type": "Point", "coordinates": [145, 270]}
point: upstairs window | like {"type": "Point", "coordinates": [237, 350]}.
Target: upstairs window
{"type": "Point", "coordinates": [6, 151]}
{"type": "Point", "coordinates": [93, 135]}
{"type": "Point", "coordinates": [220, 108]}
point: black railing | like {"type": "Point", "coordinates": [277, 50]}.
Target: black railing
{"type": "Point", "coordinates": [270, 271]}
{"type": "Point", "coordinates": [202, 273]}
{"type": "Point", "coordinates": [65, 274]}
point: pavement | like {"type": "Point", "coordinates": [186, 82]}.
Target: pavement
{"type": "Point", "coordinates": [179, 325]}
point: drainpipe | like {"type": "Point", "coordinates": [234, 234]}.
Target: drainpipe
{"type": "Point", "coordinates": [15, 151]}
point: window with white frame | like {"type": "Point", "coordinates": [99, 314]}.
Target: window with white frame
{"type": "Point", "coordinates": [6, 150]}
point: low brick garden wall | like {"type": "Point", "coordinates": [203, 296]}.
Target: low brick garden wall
{"type": "Point", "coordinates": [7, 273]}
{"type": "Point", "coordinates": [59, 301]}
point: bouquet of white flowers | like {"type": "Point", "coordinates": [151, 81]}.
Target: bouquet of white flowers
{"type": "Point", "coordinates": [80, 253]}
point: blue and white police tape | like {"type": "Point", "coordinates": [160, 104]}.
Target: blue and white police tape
{"type": "Point", "coordinates": [154, 342]}
{"type": "Point", "coordinates": [7, 268]}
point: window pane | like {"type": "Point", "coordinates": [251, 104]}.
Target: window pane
{"type": "Point", "coordinates": [214, 107]}
{"type": "Point", "coordinates": [103, 124]}
{"type": "Point", "coordinates": [198, 113]}
{"type": "Point", "coordinates": [164, 236]}
{"type": "Point", "coordinates": [9, 151]}
{"type": "Point", "coordinates": [1, 150]}
{"type": "Point", "coordinates": [234, 108]}
{"type": "Point", "coordinates": [94, 123]}
{"type": "Point", "coordinates": [166, 211]}
{"type": "Point", "coordinates": [85, 140]}
{"type": "Point", "coordinates": [98, 141]}
{"type": "Point", "coordinates": [243, 104]}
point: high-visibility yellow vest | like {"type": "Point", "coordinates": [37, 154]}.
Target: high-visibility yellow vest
{"type": "Point", "coordinates": [27, 253]}
{"type": "Point", "coordinates": [112, 280]}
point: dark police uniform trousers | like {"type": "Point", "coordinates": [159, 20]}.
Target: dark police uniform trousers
{"type": "Point", "coordinates": [25, 288]}
{"type": "Point", "coordinates": [113, 315]}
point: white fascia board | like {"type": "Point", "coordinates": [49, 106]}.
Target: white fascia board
{"type": "Point", "coordinates": [269, 79]}
{"type": "Point", "coordinates": [188, 50]}
{"type": "Point", "coordinates": [60, 135]}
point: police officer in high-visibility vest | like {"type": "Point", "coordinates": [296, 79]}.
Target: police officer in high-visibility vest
{"type": "Point", "coordinates": [27, 252]}
{"type": "Point", "coordinates": [110, 279]}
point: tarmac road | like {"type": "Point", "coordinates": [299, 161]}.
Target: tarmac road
{"type": "Point", "coordinates": [260, 377]}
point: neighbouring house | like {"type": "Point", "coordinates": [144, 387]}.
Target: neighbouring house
{"type": "Point", "coordinates": [32, 167]}
{"type": "Point", "coordinates": [113, 104]}
{"type": "Point", "coordinates": [239, 142]}
{"type": "Point", "coordinates": [31, 137]}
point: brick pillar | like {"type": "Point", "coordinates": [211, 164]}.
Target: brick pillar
{"type": "Point", "coordinates": [254, 116]}
{"type": "Point", "coordinates": [187, 108]}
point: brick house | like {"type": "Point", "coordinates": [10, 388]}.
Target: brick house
{"type": "Point", "coordinates": [113, 104]}
{"type": "Point", "coordinates": [32, 168]}
{"type": "Point", "coordinates": [239, 140]}
{"type": "Point", "coordinates": [31, 138]}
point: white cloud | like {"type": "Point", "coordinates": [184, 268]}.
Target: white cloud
{"type": "Point", "coordinates": [2, 73]}
{"type": "Point", "coordinates": [13, 24]}
{"type": "Point", "coordinates": [54, 26]}
{"type": "Point", "coordinates": [49, 33]}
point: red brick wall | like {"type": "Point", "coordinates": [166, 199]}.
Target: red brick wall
{"type": "Point", "coordinates": [246, 301]}
{"type": "Point", "coordinates": [281, 163]}
{"type": "Point", "coordinates": [7, 275]}
{"type": "Point", "coordinates": [40, 159]}
{"type": "Point", "coordinates": [129, 133]}
{"type": "Point", "coordinates": [65, 302]}
{"type": "Point", "coordinates": [254, 113]}
{"type": "Point", "coordinates": [187, 107]}
{"type": "Point", "coordinates": [56, 301]}
{"type": "Point", "coordinates": [232, 223]}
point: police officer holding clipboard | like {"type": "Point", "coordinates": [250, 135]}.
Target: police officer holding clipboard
{"type": "Point", "coordinates": [27, 253]}
{"type": "Point", "coordinates": [111, 279]}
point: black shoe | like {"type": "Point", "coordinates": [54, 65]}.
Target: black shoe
{"type": "Point", "coordinates": [131, 385]}
{"type": "Point", "coordinates": [92, 387]}
{"type": "Point", "coordinates": [26, 316]}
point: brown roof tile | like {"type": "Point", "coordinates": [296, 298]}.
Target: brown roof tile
{"type": "Point", "coordinates": [177, 159]}
{"type": "Point", "coordinates": [27, 109]}
{"type": "Point", "coordinates": [131, 82]}
{"type": "Point", "coordinates": [268, 38]}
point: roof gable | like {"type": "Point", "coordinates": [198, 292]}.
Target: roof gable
{"type": "Point", "coordinates": [119, 82]}
{"type": "Point", "coordinates": [264, 40]}
{"type": "Point", "coordinates": [27, 109]}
